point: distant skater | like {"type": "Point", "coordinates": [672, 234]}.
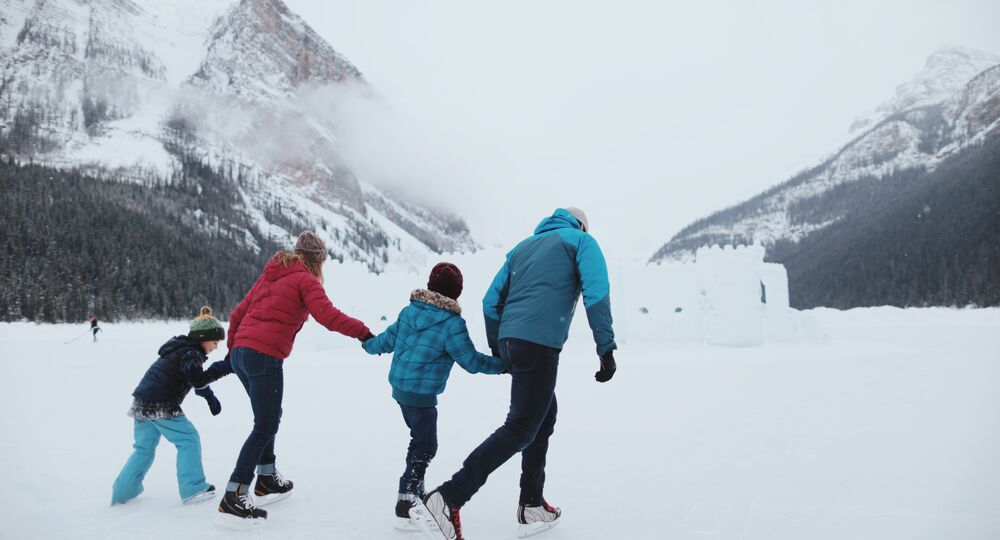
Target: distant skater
{"type": "Point", "coordinates": [94, 327]}
{"type": "Point", "coordinates": [156, 408]}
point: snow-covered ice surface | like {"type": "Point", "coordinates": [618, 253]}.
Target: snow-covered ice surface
{"type": "Point", "coordinates": [888, 428]}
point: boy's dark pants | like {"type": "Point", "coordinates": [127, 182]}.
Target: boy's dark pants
{"type": "Point", "coordinates": [263, 378]}
{"type": "Point", "coordinates": [422, 422]}
{"type": "Point", "coordinates": [530, 423]}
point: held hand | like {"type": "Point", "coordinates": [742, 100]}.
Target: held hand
{"type": "Point", "coordinates": [367, 337]}
{"type": "Point", "coordinates": [608, 368]}
{"type": "Point", "coordinates": [213, 402]}
{"type": "Point", "coordinates": [506, 365]}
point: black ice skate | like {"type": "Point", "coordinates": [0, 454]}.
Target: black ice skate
{"type": "Point", "coordinates": [271, 488]}
{"type": "Point", "coordinates": [403, 521]}
{"type": "Point", "coordinates": [237, 511]}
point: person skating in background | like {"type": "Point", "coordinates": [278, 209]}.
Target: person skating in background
{"type": "Point", "coordinates": [94, 327]}
{"type": "Point", "coordinates": [429, 336]}
{"type": "Point", "coordinates": [528, 310]}
{"type": "Point", "coordinates": [156, 408]}
{"type": "Point", "coordinates": [262, 330]}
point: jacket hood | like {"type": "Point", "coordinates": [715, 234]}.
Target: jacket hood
{"type": "Point", "coordinates": [560, 219]}
{"type": "Point", "coordinates": [177, 343]}
{"type": "Point", "coordinates": [430, 309]}
{"type": "Point", "coordinates": [274, 270]}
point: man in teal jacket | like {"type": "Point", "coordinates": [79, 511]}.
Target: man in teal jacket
{"type": "Point", "coordinates": [528, 310]}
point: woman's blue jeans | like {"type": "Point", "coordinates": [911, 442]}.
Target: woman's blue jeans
{"type": "Point", "coordinates": [263, 378]}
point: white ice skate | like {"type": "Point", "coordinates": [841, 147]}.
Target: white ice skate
{"type": "Point", "coordinates": [435, 519]}
{"type": "Point", "coordinates": [536, 519]}
{"type": "Point", "coordinates": [201, 496]}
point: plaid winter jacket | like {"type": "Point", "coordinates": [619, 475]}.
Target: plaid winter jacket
{"type": "Point", "coordinates": [429, 336]}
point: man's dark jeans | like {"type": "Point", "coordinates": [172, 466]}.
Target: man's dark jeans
{"type": "Point", "coordinates": [264, 380]}
{"type": "Point", "coordinates": [530, 423]}
{"type": "Point", "coordinates": [422, 422]}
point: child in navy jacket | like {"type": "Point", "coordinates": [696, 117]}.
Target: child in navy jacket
{"type": "Point", "coordinates": [156, 409]}
{"type": "Point", "coordinates": [428, 338]}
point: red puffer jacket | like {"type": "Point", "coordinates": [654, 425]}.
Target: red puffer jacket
{"type": "Point", "coordinates": [277, 306]}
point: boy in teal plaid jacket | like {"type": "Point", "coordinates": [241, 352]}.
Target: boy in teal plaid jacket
{"type": "Point", "coordinates": [427, 339]}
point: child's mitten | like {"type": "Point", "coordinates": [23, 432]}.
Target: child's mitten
{"type": "Point", "coordinates": [213, 402]}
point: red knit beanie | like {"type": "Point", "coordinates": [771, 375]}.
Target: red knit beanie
{"type": "Point", "coordinates": [446, 279]}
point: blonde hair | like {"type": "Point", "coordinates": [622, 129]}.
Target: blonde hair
{"type": "Point", "coordinates": [286, 258]}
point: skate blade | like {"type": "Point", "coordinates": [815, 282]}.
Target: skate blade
{"type": "Point", "coordinates": [532, 529]}
{"type": "Point", "coordinates": [236, 523]}
{"type": "Point", "coordinates": [423, 519]}
{"type": "Point", "coordinates": [264, 500]}
{"type": "Point", "coordinates": [405, 525]}
{"type": "Point", "coordinates": [199, 497]}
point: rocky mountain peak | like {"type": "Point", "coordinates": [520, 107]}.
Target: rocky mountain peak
{"type": "Point", "coordinates": [208, 96]}
{"type": "Point", "coordinates": [262, 50]}
{"type": "Point", "coordinates": [946, 71]}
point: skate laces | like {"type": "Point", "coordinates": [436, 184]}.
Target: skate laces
{"type": "Point", "coordinates": [279, 479]}
{"type": "Point", "coordinates": [245, 500]}
{"type": "Point", "coordinates": [456, 521]}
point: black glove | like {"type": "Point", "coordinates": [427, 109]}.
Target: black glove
{"type": "Point", "coordinates": [366, 338]}
{"type": "Point", "coordinates": [219, 369]}
{"type": "Point", "coordinates": [213, 402]}
{"type": "Point", "coordinates": [608, 367]}
{"type": "Point", "coordinates": [506, 365]}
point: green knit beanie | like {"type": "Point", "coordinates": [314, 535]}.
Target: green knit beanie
{"type": "Point", "coordinates": [206, 327]}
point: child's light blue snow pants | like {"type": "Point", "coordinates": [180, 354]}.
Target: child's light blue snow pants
{"type": "Point", "coordinates": [182, 434]}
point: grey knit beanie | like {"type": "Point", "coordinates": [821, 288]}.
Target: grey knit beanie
{"type": "Point", "coordinates": [580, 216]}
{"type": "Point", "coordinates": [311, 247]}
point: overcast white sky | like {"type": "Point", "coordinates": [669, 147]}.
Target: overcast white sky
{"type": "Point", "coordinates": [648, 115]}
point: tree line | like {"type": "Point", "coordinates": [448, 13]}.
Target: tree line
{"type": "Point", "coordinates": [913, 238]}
{"type": "Point", "coordinates": [74, 245]}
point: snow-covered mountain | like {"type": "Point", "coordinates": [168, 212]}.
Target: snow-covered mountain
{"type": "Point", "coordinates": [218, 91]}
{"type": "Point", "coordinates": [952, 105]}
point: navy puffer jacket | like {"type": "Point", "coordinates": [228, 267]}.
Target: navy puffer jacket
{"type": "Point", "coordinates": [177, 370]}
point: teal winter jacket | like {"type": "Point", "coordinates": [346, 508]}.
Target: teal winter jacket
{"type": "Point", "coordinates": [427, 339]}
{"type": "Point", "coordinates": [534, 295]}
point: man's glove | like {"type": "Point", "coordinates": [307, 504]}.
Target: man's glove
{"type": "Point", "coordinates": [608, 367]}
{"type": "Point", "coordinates": [213, 402]}
{"type": "Point", "coordinates": [367, 337]}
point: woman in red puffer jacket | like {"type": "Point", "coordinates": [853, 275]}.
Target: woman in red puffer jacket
{"type": "Point", "coordinates": [262, 330]}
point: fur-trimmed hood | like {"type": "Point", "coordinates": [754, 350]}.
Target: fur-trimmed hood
{"type": "Point", "coordinates": [437, 300]}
